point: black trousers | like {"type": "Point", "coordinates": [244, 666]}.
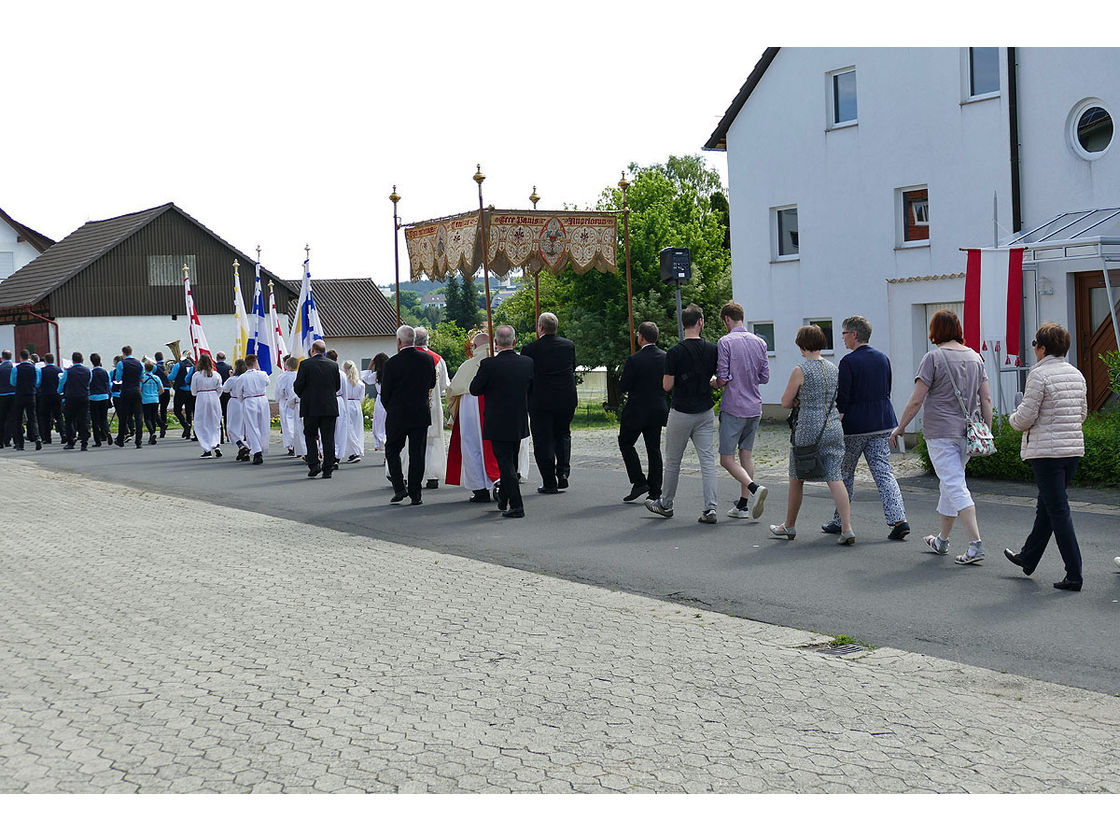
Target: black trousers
{"type": "Point", "coordinates": [509, 490]}
{"type": "Point", "coordinates": [552, 443]}
{"type": "Point", "coordinates": [50, 415]}
{"type": "Point", "coordinates": [7, 409]}
{"type": "Point", "coordinates": [130, 417]}
{"type": "Point", "coordinates": [627, 437]}
{"type": "Point", "coordinates": [417, 447]}
{"type": "Point", "coordinates": [164, 399]}
{"type": "Point", "coordinates": [1052, 516]}
{"type": "Point", "coordinates": [316, 427]}
{"type": "Point", "coordinates": [224, 400]}
{"type": "Point", "coordinates": [75, 412]}
{"type": "Point", "coordinates": [151, 417]}
{"type": "Point", "coordinates": [24, 410]}
{"type": "Point", "coordinates": [99, 420]}
{"type": "Point", "coordinates": [183, 408]}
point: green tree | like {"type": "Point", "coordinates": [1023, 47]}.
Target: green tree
{"type": "Point", "coordinates": [450, 341]}
{"type": "Point", "coordinates": [414, 312]}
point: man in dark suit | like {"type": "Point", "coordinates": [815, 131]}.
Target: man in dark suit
{"type": "Point", "coordinates": [644, 413]}
{"type": "Point", "coordinates": [317, 382]}
{"type": "Point", "coordinates": [406, 384]}
{"type": "Point", "coordinates": [504, 383]}
{"type": "Point", "coordinates": [552, 403]}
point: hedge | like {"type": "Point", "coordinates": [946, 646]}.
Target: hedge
{"type": "Point", "coordinates": [1100, 466]}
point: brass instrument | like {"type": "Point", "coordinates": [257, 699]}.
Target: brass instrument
{"type": "Point", "coordinates": [173, 346]}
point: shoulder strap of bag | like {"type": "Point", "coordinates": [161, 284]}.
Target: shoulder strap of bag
{"type": "Point", "coordinates": [953, 382]}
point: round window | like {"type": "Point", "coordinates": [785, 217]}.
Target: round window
{"type": "Point", "coordinates": [1091, 129]}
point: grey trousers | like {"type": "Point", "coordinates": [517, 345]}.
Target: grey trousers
{"type": "Point", "coordinates": [700, 429]}
{"type": "Point", "coordinates": [876, 449]}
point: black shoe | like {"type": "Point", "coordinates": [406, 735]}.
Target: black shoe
{"type": "Point", "coordinates": [562, 482]}
{"type": "Point", "coordinates": [138, 443]}
{"type": "Point", "coordinates": [520, 514]}
{"type": "Point", "coordinates": [120, 443]}
{"type": "Point", "coordinates": [502, 503]}
{"type": "Point", "coordinates": [636, 491]}
{"type": "Point", "coordinates": [398, 497]}
{"type": "Point", "coordinates": [1018, 561]}
{"type": "Point", "coordinates": [185, 434]}
{"type": "Point", "coordinates": [258, 458]}
{"type": "Point", "coordinates": [314, 471]}
{"type": "Point", "coordinates": [152, 440]}
{"type": "Point", "coordinates": [207, 454]}
{"type": "Point", "coordinates": [432, 484]}
{"type": "Point", "coordinates": [96, 443]}
{"type": "Point", "coordinates": [416, 502]}
{"type": "Point", "coordinates": [900, 531]}
{"type": "Point", "coordinates": [482, 496]}
{"type": "Point", "coordinates": [551, 491]}
{"type": "Point", "coordinates": [291, 452]}
{"type": "Point", "coordinates": [163, 433]}
{"type": "Point", "coordinates": [85, 446]}
{"type": "Point", "coordinates": [1068, 585]}
{"type": "Point", "coordinates": [38, 445]}
{"type": "Point", "coordinates": [328, 473]}
{"type": "Point", "coordinates": [217, 452]}
{"type": "Point", "coordinates": [242, 454]}
{"type": "Point", "coordinates": [353, 459]}
{"type": "Point", "coordinates": [70, 445]}
{"type": "Point", "coordinates": [833, 528]}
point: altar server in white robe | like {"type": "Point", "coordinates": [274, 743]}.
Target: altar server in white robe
{"type": "Point", "coordinates": [355, 423]}
{"type": "Point", "coordinates": [435, 457]}
{"type": "Point", "coordinates": [470, 459]}
{"type": "Point", "coordinates": [342, 424]}
{"type": "Point", "coordinates": [299, 444]}
{"type": "Point", "coordinates": [372, 376]}
{"type": "Point", "coordinates": [206, 388]}
{"type": "Point", "coordinates": [235, 424]}
{"type": "Point", "coordinates": [284, 394]}
{"type": "Point", "coordinates": [252, 388]}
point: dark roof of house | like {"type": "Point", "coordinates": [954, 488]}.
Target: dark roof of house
{"type": "Point", "coordinates": [39, 242]}
{"type": "Point", "coordinates": [350, 308]}
{"type": "Point", "coordinates": [718, 141]}
{"type": "Point", "coordinates": [63, 260]}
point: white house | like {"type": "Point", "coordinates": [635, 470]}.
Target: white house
{"type": "Point", "coordinates": [892, 160]}
{"type": "Point", "coordinates": [19, 245]}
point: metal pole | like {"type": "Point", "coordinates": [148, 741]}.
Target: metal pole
{"type": "Point", "coordinates": [680, 318]}
{"type": "Point", "coordinates": [396, 250]}
{"type": "Point", "coordinates": [478, 179]}
{"type": "Point", "coordinates": [1111, 301]}
{"type": "Point", "coordinates": [623, 185]}
{"type": "Point", "coordinates": [533, 197]}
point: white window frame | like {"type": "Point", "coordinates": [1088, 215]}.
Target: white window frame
{"type": "Point", "coordinates": [775, 241]}
{"type": "Point", "coordinates": [770, 351]}
{"type": "Point", "coordinates": [831, 331]}
{"type": "Point", "coordinates": [1071, 128]}
{"type": "Point", "coordinates": [830, 99]}
{"type": "Point", "coordinates": [900, 240]}
{"type": "Point", "coordinates": [967, 96]}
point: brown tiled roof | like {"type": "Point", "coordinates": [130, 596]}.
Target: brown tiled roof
{"type": "Point", "coordinates": [39, 242]}
{"type": "Point", "coordinates": [718, 141]}
{"type": "Point", "coordinates": [87, 244]}
{"type": "Point", "coordinates": [350, 308]}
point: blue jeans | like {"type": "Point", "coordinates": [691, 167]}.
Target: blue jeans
{"type": "Point", "coordinates": [1052, 516]}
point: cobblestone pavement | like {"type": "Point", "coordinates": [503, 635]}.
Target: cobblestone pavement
{"type": "Point", "coordinates": [256, 654]}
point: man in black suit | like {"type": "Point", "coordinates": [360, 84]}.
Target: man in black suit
{"type": "Point", "coordinates": [504, 383]}
{"type": "Point", "coordinates": [644, 414]}
{"type": "Point", "coordinates": [407, 381]}
{"type": "Point", "coordinates": [552, 403]}
{"type": "Point", "coordinates": [317, 382]}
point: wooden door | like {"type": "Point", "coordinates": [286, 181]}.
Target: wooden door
{"type": "Point", "coordinates": [35, 338]}
{"type": "Point", "coordinates": [1094, 332]}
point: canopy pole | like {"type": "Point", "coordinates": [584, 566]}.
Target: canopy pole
{"type": "Point", "coordinates": [533, 197]}
{"type": "Point", "coordinates": [478, 179]}
{"type": "Point", "coordinates": [396, 254]}
{"type": "Point", "coordinates": [623, 185]}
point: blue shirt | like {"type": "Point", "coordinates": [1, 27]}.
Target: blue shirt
{"type": "Point", "coordinates": [149, 388]}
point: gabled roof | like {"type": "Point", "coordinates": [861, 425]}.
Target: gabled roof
{"type": "Point", "coordinates": [351, 308]}
{"type": "Point", "coordinates": [35, 239]}
{"type": "Point", "coordinates": [63, 260]}
{"type": "Point", "coordinates": [718, 141]}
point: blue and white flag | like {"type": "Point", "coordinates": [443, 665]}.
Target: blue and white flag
{"type": "Point", "coordinates": [260, 341]}
{"type": "Point", "coordinates": [306, 329]}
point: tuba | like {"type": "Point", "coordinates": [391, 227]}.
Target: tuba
{"type": "Point", "coordinates": [173, 346]}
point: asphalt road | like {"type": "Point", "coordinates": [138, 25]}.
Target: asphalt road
{"type": "Point", "coordinates": [880, 592]}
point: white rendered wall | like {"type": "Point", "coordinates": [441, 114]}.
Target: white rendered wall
{"type": "Point", "coordinates": [22, 252]}
{"type": "Point", "coordinates": [8, 338]}
{"type": "Point", "coordinates": [146, 334]}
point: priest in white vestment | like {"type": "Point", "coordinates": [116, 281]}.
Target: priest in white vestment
{"type": "Point", "coordinates": [470, 459]}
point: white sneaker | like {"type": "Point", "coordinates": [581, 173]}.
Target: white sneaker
{"type": "Point", "coordinates": [737, 512]}
{"type": "Point", "coordinates": [758, 499]}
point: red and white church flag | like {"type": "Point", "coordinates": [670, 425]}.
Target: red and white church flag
{"type": "Point", "coordinates": [199, 344]}
{"type": "Point", "coordinates": [993, 301]}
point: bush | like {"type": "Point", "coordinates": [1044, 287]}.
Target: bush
{"type": "Point", "coordinates": [1100, 466]}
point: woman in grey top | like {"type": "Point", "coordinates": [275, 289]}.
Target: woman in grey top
{"type": "Point", "coordinates": [943, 424]}
{"type": "Point", "coordinates": [812, 386]}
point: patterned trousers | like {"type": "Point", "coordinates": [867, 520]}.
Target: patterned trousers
{"type": "Point", "coordinates": [875, 449]}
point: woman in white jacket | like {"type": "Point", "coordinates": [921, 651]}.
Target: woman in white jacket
{"type": "Point", "coordinates": [1050, 416]}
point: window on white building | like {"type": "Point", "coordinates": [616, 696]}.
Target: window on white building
{"type": "Point", "coordinates": [913, 222]}
{"type": "Point", "coordinates": [1092, 129]}
{"type": "Point", "coordinates": [826, 325]}
{"type": "Point", "coordinates": [787, 244]}
{"type": "Point", "coordinates": [983, 70]}
{"type": "Point", "coordinates": [765, 331]}
{"type": "Point", "coordinates": [842, 98]}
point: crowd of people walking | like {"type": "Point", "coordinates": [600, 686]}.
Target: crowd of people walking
{"type": "Point", "coordinates": [839, 414]}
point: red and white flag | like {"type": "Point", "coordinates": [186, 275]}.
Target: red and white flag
{"type": "Point", "coordinates": [993, 301]}
{"type": "Point", "coordinates": [279, 348]}
{"type": "Point", "coordinates": [199, 344]}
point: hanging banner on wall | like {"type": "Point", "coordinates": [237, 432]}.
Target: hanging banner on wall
{"type": "Point", "coordinates": [529, 240]}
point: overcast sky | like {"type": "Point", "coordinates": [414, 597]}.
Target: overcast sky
{"type": "Point", "coordinates": [281, 124]}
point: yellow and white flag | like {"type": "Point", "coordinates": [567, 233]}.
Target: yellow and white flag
{"type": "Point", "coordinates": [241, 329]}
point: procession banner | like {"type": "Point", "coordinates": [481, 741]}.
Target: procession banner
{"type": "Point", "coordinates": [529, 240]}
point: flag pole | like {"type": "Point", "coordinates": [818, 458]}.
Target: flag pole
{"type": "Point", "coordinates": [478, 179]}
{"type": "Point", "coordinates": [396, 252]}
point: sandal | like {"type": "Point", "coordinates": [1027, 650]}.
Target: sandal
{"type": "Point", "coordinates": [937, 545]}
{"type": "Point", "coordinates": [973, 557]}
{"type": "Point", "coordinates": [783, 531]}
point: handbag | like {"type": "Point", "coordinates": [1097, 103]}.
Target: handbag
{"type": "Point", "coordinates": [978, 436]}
{"type": "Point", "coordinates": [807, 462]}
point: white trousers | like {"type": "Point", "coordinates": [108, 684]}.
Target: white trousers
{"type": "Point", "coordinates": [949, 457]}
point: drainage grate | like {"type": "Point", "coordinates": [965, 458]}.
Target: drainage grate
{"type": "Point", "coordinates": [841, 650]}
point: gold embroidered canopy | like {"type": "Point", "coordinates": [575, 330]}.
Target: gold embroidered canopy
{"type": "Point", "coordinates": [527, 239]}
